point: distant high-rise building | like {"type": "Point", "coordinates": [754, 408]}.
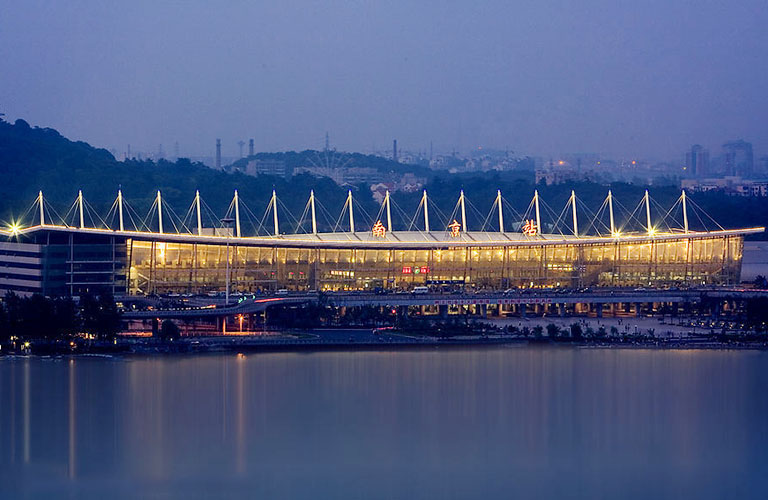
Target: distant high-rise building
{"type": "Point", "coordinates": [697, 161]}
{"type": "Point", "coordinates": [218, 153]}
{"type": "Point", "coordinates": [762, 169]}
{"type": "Point", "coordinates": [250, 147]}
{"type": "Point", "coordinates": [738, 159]}
{"type": "Point", "coordinates": [394, 150]}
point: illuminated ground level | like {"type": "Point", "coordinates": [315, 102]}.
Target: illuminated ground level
{"type": "Point", "coordinates": [64, 260]}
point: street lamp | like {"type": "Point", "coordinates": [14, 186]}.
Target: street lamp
{"type": "Point", "coordinates": [227, 221]}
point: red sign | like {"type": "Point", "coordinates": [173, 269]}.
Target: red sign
{"type": "Point", "coordinates": [529, 228]}
{"type": "Point", "coordinates": [455, 228]}
{"type": "Point", "coordinates": [415, 269]}
{"type": "Point", "coordinates": [379, 230]}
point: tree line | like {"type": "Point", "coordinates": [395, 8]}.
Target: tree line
{"type": "Point", "coordinates": [49, 319]}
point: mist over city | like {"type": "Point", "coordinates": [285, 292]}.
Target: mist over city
{"type": "Point", "coordinates": [623, 81]}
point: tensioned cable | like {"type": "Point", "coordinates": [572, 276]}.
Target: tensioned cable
{"type": "Point", "coordinates": [593, 216]}
{"type": "Point", "coordinates": [698, 208]}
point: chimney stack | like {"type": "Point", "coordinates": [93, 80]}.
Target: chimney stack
{"type": "Point", "coordinates": [250, 147]}
{"type": "Point", "coordinates": [394, 150]}
{"type": "Point", "coordinates": [218, 153]}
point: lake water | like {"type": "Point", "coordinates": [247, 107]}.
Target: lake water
{"type": "Point", "coordinates": [524, 422]}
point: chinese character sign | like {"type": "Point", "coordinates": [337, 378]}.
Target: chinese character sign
{"type": "Point", "coordinates": [529, 228]}
{"type": "Point", "coordinates": [379, 231]}
{"type": "Point", "coordinates": [455, 228]}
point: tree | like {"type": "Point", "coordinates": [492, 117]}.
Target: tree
{"type": "Point", "coordinates": [65, 314]}
{"type": "Point", "coordinates": [169, 330]}
{"type": "Point", "coordinates": [553, 331]}
{"type": "Point", "coordinates": [601, 332]}
{"type": "Point", "coordinates": [13, 314]}
{"type": "Point", "coordinates": [576, 331]}
{"type": "Point", "coordinates": [100, 315]}
{"type": "Point", "coordinates": [538, 331]}
{"type": "Point", "coordinates": [38, 317]}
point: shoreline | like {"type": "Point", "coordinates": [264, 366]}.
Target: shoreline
{"type": "Point", "coordinates": [393, 342]}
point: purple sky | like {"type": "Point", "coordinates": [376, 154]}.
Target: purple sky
{"type": "Point", "coordinates": [624, 79]}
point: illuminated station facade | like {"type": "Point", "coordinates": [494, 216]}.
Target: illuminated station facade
{"type": "Point", "coordinates": [71, 259]}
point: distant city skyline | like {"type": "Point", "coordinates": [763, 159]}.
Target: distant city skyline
{"type": "Point", "coordinates": [542, 80]}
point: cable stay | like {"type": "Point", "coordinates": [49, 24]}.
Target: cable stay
{"type": "Point", "coordinates": [304, 213]}
{"type": "Point", "coordinates": [516, 216]}
{"type": "Point", "coordinates": [285, 212]}
{"type": "Point", "coordinates": [423, 208]}
{"type": "Point", "coordinates": [595, 218]}
{"type": "Point", "coordinates": [697, 209]}
{"type": "Point", "coordinates": [612, 218]}
{"type": "Point", "coordinates": [328, 218]}
{"type": "Point", "coordinates": [641, 205]}
{"type": "Point", "coordinates": [133, 216]}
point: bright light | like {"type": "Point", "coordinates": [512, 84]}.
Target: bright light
{"type": "Point", "coordinates": [617, 234]}
{"type": "Point", "coordinates": [14, 228]}
{"type": "Point", "coordinates": [652, 231]}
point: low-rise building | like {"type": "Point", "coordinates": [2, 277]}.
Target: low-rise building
{"type": "Point", "coordinates": [732, 185]}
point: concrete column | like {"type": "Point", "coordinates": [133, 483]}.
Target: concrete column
{"type": "Point", "coordinates": [443, 311]}
{"type": "Point", "coordinates": [638, 309]}
{"type": "Point", "coordinates": [561, 309]}
{"type": "Point", "coordinates": [717, 310]}
{"type": "Point", "coordinates": [523, 310]}
{"type": "Point", "coordinates": [484, 310]}
{"type": "Point", "coordinates": [599, 310]}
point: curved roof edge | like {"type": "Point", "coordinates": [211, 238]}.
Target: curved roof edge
{"type": "Point", "coordinates": [397, 240]}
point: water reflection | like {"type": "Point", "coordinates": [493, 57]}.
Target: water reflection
{"type": "Point", "coordinates": [72, 420]}
{"type": "Point", "coordinates": [541, 422]}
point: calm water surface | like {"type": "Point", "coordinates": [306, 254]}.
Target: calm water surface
{"type": "Point", "coordinates": [477, 423]}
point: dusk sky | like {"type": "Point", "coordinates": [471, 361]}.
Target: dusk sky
{"type": "Point", "coordinates": [623, 79]}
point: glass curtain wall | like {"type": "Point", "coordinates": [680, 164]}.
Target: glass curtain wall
{"type": "Point", "coordinates": [164, 267]}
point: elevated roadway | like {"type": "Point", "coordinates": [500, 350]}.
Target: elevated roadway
{"type": "Point", "coordinates": [214, 307]}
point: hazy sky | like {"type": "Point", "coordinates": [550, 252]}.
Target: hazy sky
{"type": "Point", "coordinates": [624, 79]}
